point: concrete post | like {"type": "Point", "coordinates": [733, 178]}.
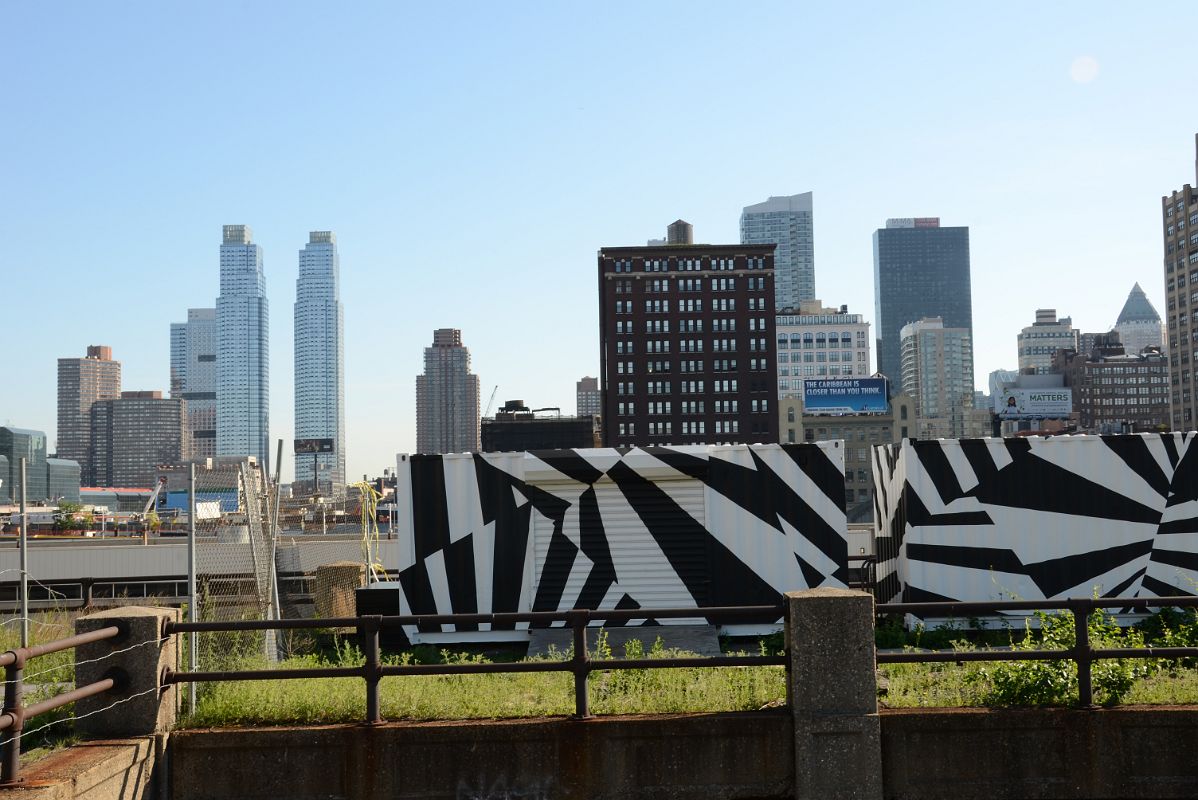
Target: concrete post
{"type": "Point", "coordinates": [139, 657]}
{"type": "Point", "coordinates": [833, 695]}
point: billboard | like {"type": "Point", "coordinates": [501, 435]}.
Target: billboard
{"type": "Point", "coordinates": [845, 396]}
{"type": "Point", "coordinates": [313, 445]}
{"type": "Point", "coordinates": [1015, 403]}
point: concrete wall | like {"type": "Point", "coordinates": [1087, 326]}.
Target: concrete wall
{"type": "Point", "coordinates": [1040, 753]}
{"type": "Point", "coordinates": [928, 754]}
{"type": "Point", "coordinates": [830, 743]}
{"type": "Point", "coordinates": [123, 769]}
{"type": "Point", "coordinates": [701, 756]}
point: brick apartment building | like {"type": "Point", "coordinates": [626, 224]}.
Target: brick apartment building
{"type": "Point", "coordinates": [686, 344]}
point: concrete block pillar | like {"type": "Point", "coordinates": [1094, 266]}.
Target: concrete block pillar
{"type": "Point", "coordinates": [138, 658]}
{"type": "Point", "coordinates": [833, 695]}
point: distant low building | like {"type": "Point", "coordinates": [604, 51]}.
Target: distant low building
{"type": "Point", "coordinates": [132, 435]}
{"type": "Point", "coordinates": [815, 342]}
{"type": "Point", "coordinates": [50, 480]}
{"type": "Point", "coordinates": [18, 443]}
{"type": "Point", "coordinates": [516, 428]}
{"type": "Point", "coordinates": [62, 480]}
{"type": "Point", "coordinates": [860, 433]}
{"type": "Point", "coordinates": [588, 398]}
{"type": "Point", "coordinates": [1117, 392]}
{"type": "Point", "coordinates": [1086, 342]}
{"type": "Point", "coordinates": [937, 371]}
{"type": "Point", "coordinates": [125, 499]}
{"type": "Point", "coordinates": [1040, 340]}
{"type": "Point", "coordinates": [1139, 325]}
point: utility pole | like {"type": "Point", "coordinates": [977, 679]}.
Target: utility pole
{"type": "Point", "coordinates": [24, 560]}
{"type": "Point", "coordinates": [192, 615]}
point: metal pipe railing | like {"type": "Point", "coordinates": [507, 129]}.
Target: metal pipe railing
{"type": "Point", "coordinates": [580, 664]}
{"type": "Point", "coordinates": [1083, 654]}
{"type": "Point", "coordinates": [14, 712]}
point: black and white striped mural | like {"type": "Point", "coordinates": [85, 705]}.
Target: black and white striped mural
{"type": "Point", "coordinates": [1034, 518]}
{"type": "Point", "coordinates": [619, 528]}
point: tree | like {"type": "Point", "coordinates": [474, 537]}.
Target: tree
{"type": "Point", "coordinates": [153, 522]}
{"type": "Point", "coordinates": [64, 517]}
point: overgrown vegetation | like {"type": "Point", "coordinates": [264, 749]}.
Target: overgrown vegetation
{"type": "Point", "coordinates": [44, 677]}
{"type": "Point", "coordinates": [1032, 683]}
{"type": "Point", "coordinates": [628, 691]}
{"type": "Point", "coordinates": [636, 691]}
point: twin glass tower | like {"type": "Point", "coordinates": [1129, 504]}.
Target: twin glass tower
{"type": "Point", "coordinates": [243, 349]}
{"type": "Point", "coordinates": [320, 359]}
{"type": "Point", "coordinates": [240, 325]}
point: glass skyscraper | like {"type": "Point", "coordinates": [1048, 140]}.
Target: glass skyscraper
{"type": "Point", "coordinates": [920, 270]}
{"type": "Point", "coordinates": [18, 443]}
{"type": "Point", "coordinates": [320, 358]}
{"type": "Point", "coordinates": [242, 358]}
{"type": "Point", "coordinates": [788, 223]}
{"type": "Point", "coordinates": [193, 376]}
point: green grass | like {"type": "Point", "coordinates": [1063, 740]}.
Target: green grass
{"type": "Point", "coordinates": [45, 676]}
{"type": "Point", "coordinates": [970, 685]}
{"type": "Point", "coordinates": [497, 696]}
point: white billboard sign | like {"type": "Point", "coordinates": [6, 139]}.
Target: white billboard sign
{"type": "Point", "coordinates": [1015, 403]}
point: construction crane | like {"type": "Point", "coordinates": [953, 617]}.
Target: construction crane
{"type": "Point", "coordinates": [153, 496]}
{"type": "Point", "coordinates": [491, 402]}
{"type": "Point", "coordinates": [145, 512]}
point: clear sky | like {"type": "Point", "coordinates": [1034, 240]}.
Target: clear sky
{"type": "Point", "coordinates": [472, 158]}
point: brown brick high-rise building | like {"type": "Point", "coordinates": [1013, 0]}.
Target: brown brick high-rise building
{"type": "Point", "coordinates": [135, 433]}
{"type": "Point", "coordinates": [686, 337]}
{"type": "Point", "coordinates": [82, 382]}
{"type": "Point", "coordinates": [1179, 223]}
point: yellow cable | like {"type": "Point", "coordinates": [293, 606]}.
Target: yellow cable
{"type": "Point", "coordinates": [370, 531]}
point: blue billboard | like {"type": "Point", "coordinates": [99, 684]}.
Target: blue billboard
{"type": "Point", "coordinates": [845, 396]}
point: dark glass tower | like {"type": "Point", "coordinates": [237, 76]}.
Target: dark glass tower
{"type": "Point", "coordinates": [920, 270]}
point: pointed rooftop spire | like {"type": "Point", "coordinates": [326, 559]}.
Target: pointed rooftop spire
{"type": "Point", "coordinates": [1137, 308]}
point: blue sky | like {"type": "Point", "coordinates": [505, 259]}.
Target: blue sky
{"type": "Point", "coordinates": [473, 157]}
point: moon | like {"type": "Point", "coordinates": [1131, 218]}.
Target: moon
{"type": "Point", "coordinates": [1083, 69]}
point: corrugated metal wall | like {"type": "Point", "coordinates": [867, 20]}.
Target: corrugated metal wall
{"type": "Point", "coordinates": [1031, 518]}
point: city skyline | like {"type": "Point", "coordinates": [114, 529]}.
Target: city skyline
{"type": "Point", "coordinates": [1016, 148]}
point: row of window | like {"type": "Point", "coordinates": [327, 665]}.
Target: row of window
{"type": "Point", "coordinates": [821, 357]}
{"type": "Point", "coordinates": [818, 341]}
{"type": "Point", "coordinates": [726, 304]}
{"type": "Point", "coordinates": [688, 264]}
{"type": "Point", "coordinates": [816, 371]}
{"type": "Point", "coordinates": [1126, 401]}
{"type": "Point", "coordinates": [717, 365]}
{"type": "Point", "coordinates": [691, 346]}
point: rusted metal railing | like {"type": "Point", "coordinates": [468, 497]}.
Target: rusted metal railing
{"type": "Point", "coordinates": [580, 663]}
{"type": "Point", "coordinates": [1082, 652]}
{"type": "Point", "coordinates": [14, 712]}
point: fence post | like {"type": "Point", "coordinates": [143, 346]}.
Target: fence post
{"type": "Point", "coordinates": [832, 689]}
{"type": "Point", "coordinates": [581, 663]}
{"type": "Point", "coordinates": [372, 667]}
{"type": "Point", "coordinates": [140, 704]}
{"type": "Point", "coordinates": [1082, 652]}
{"type": "Point", "coordinates": [11, 757]}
